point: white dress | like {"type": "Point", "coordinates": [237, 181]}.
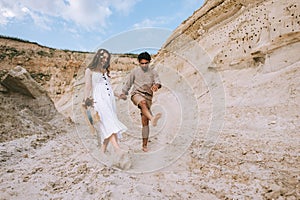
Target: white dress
{"type": "Point", "coordinates": [105, 105]}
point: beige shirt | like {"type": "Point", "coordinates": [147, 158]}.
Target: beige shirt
{"type": "Point", "coordinates": [142, 82]}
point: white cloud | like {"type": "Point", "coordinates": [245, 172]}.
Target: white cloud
{"type": "Point", "coordinates": [9, 10]}
{"type": "Point", "coordinates": [123, 6]}
{"type": "Point", "coordinates": [38, 20]}
{"type": "Point", "coordinates": [45, 7]}
{"type": "Point", "coordinates": [89, 14]}
{"type": "Point", "coordinates": [4, 14]}
{"type": "Point", "coordinates": [151, 23]}
{"type": "Point", "coordinates": [7, 13]}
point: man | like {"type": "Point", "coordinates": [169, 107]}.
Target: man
{"type": "Point", "coordinates": [145, 81]}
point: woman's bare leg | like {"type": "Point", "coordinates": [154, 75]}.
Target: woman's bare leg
{"type": "Point", "coordinates": [104, 145]}
{"type": "Point", "coordinates": [114, 141]}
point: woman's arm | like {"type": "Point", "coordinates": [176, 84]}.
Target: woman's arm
{"type": "Point", "coordinates": [88, 84]}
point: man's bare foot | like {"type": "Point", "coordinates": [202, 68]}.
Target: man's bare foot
{"type": "Point", "coordinates": [155, 119]}
{"type": "Point", "coordinates": [145, 149]}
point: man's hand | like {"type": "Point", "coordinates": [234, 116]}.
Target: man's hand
{"type": "Point", "coordinates": [154, 88]}
{"type": "Point", "coordinates": [122, 96]}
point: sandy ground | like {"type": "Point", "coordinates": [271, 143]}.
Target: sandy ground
{"type": "Point", "coordinates": [255, 156]}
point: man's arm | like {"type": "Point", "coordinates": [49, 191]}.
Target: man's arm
{"type": "Point", "coordinates": [157, 83]}
{"type": "Point", "coordinates": [127, 86]}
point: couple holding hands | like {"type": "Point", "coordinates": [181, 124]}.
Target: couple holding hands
{"type": "Point", "coordinates": [99, 95]}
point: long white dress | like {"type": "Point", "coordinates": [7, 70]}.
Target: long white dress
{"type": "Point", "coordinates": [105, 105]}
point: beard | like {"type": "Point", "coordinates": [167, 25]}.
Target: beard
{"type": "Point", "coordinates": [145, 68]}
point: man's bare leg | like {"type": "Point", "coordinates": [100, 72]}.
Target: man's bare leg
{"type": "Point", "coordinates": [145, 132]}
{"type": "Point", "coordinates": [145, 135]}
{"type": "Point", "coordinates": [155, 119]}
{"type": "Point", "coordinates": [146, 112]}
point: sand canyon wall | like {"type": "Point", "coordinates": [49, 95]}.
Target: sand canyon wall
{"type": "Point", "coordinates": [54, 69]}
{"type": "Point", "coordinates": [239, 60]}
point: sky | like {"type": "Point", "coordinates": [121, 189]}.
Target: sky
{"type": "Point", "coordinates": [121, 26]}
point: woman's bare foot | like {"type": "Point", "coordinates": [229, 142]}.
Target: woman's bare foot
{"type": "Point", "coordinates": [155, 119]}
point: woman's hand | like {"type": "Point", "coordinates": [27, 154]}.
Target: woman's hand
{"type": "Point", "coordinates": [96, 117]}
{"type": "Point", "coordinates": [89, 102]}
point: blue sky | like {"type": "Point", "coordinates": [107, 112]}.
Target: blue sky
{"type": "Point", "coordinates": [122, 26]}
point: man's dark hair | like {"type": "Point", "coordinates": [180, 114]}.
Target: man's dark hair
{"type": "Point", "coordinates": [145, 55]}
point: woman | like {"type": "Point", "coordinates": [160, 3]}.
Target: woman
{"type": "Point", "coordinates": [97, 85]}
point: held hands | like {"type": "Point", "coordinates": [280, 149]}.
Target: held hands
{"type": "Point", "coordinates": [122, 96]}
